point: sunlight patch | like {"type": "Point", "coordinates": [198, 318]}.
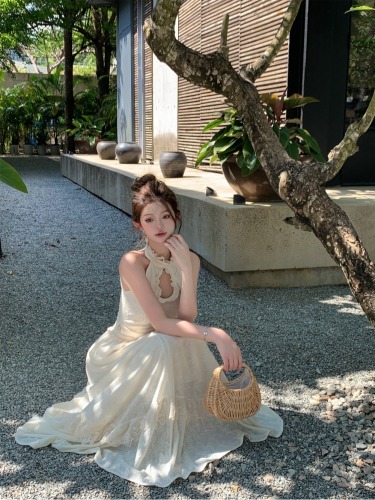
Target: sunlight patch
{"type": "Point", "coordinates": [276, 482]}
{"type": "Point", "coordinates": [346, 303]}
{"type": "Point", "coordinates": [9, 467]}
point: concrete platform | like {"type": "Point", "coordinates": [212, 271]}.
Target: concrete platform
{"type": "Point", "coordinates": [247, 245]}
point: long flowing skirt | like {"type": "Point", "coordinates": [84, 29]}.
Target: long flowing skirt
{"type": "Point", "coordinates": [142, 412]}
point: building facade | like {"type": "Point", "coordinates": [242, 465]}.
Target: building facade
{"type": "Point", "coordinates": [160, 111]}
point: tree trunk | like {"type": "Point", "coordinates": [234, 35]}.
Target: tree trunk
{"type": "Point", "coordinates": [103, 49]}
{"type": "Point", "coordinates": [301, 186]}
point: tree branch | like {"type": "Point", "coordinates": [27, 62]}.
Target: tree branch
{"type": "Point", "coordinates": [212, 71]}
{"type": "Point", "coordinates": [253, 71]}
{"type": "Point", "coordinates": [224, 49]}
{"type": "Point", "coordinates": [32, 58]}
{"type": "Point", "coordinates": [300, 185]}
{"type": "Point", "coordinates": [348, 146]}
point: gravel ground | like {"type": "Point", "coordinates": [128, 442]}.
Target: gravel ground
{"type": "Point", "coordinates": [311, 348]}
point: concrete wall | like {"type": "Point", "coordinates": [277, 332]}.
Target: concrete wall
{"type": "Point", "coordinates": [165, 85]}
{"type": "Point", "coordinates": [248, 246]}
{"type": "Point", "coordinates": [165, 106]}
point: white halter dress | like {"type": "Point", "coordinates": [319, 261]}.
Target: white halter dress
{"type": "Point", "coordinates": [142, 413]}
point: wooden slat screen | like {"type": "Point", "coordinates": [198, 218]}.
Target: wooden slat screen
{"type": "Point", "coordinates": [259, 22]}
{"type": "Point", "coordinates": [135, 64]}
{"type": "Point", "coordinates": [189, 95]}
{"type": "Point", "coordinates": [148, 91]}
{"type": "Point", "coordinates": [252, 25]}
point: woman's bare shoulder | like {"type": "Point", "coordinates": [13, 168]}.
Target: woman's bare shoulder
{"type": "Point", "coordinates": [134, 257]}
{"type": "Point", "coordinates": [132, 268]}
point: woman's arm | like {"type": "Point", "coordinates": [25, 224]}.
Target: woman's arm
{"type": "Point", "coordinates": [133, 276]}
{"type": "Point", "coordinates": [189, 265]}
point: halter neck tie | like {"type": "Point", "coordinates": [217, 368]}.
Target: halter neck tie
{"type": "Point", "coordinates": [161, 262]}
{"type": "Point", "coordinates": [157, 266]}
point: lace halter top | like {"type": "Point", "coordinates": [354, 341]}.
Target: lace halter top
{"type": "Point", "coordinates": [159, 265]}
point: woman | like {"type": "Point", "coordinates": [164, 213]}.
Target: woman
{"type": "Point", "coordinates": [142, 411]}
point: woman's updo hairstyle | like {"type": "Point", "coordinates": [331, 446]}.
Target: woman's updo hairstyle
{"type": "Point", "coordinates": [148, 189]}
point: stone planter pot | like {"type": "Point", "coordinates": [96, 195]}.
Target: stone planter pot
{"type": "Point", "coordinates": [14, 149]}
{"type": "Point", "coordinates": [106, 150]}
{"type": "Point", "coordinates": [128, 152]}
{"type": "Point", "coordinates": [254, 187]}
{"type": "Point", "coordinates": [172, 163]}
{"type": "Point", "coordinates": [42, 150]}
{"type": "Point", "coordinates": [54, 149]}
{"type": "Point", "coordinates": [28, 149]}
{"type": "Point", "coordinates": [83, 147]}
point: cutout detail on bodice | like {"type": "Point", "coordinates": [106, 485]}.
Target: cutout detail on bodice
{"type": "Point", "coordinates": [159, 265]}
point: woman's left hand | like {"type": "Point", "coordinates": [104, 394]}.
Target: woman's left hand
{"type": "Point", "coordinates": [180, 252]}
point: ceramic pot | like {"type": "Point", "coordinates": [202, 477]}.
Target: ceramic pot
{"type": "Point", "coordinates": [128, 152]}
{"type": "Point", "coordinates": [172, 163]}
{"type": "Point", "coordinates": [254, 187]}
{"type": "Point", "coordinates": [83, 147]}
{"type": "Point", "coordinates": [106, 150]}
{"type": "Point", "coordinates": [28, 149]}
{"type": "Point", "coordinates": [54, 149]}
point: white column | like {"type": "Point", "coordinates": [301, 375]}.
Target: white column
{"type": "Point", "coordinates": [125, 73]}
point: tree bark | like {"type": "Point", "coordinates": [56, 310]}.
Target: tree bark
{"type": "Point", "coordinates": [100, 38]}
{"type": "Point", "coordinates": [301, 186]}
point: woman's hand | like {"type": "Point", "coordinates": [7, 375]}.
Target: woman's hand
{"type": "Point", "coordinates": [229, 351]}
{"type": "Point", "coordinates": [180, 252]}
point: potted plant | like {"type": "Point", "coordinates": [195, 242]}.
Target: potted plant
{"type": "Point", "coordinates": [29, 112]}
{"type": "Point", "coordinates": [56, 127]}
{"type": "Point", "coordinates": [15, 139]}
{"type": "Point", "coordinates": [231, 146]}
{"type": "Point", "coordinates": [41, 136]}
{"type": "Point", "coordinates": [14, 129]}
{"type": "Point", "coordinates": [87, 132]}
{"type": "Point", "coordinates": [28, 132]}
{"type": "Point", "coordinates": [13, 97]}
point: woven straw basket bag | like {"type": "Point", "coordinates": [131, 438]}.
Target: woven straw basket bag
{"type": "Point", "coordinates": [233, 400]}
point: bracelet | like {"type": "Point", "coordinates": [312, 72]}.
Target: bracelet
{"type": "Point", "coordinates": [205, 333]}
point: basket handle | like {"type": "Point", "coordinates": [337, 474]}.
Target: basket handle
{"type": "Point", "coordinates": [219, 369]}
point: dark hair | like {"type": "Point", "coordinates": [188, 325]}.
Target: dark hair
{"type": "Point", "coordinates": [148, 189]}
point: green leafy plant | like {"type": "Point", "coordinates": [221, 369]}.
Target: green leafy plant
{"type": "Point", "coordinates": [87, 128]}
{"type": "Point", "coordinates": [10, 116]}
{"type": "Point", "coordinates": [41, 131]}
{"type": "Point", "coordinates": [11, 177]}
{"type": "Point", "coordinates": [91, 121]}
{"type": "Point", "coordinates": [50, 93]}
{"type": "Point", "coordinates": [232, 139]}
{"type": "Point", "coordinates": [360, 8]}
{"type": "Point", "coordinates": [108, 111]}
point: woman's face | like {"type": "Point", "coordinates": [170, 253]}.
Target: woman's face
{"type": "Point", "coordinates": [157, 222]}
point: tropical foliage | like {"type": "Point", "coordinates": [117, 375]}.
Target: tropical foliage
{"type": "Point", "coordinates": [61, 33]}
{"type": "Point", "coordinates": [33, 112]}
{"type": "Point", "coordinates": [232, 139]}
{"type": "Point", "coordinates": [11, 177]}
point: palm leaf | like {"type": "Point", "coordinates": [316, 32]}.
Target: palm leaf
{"type": "Point", "coordinates": [297, 101]}
{"type": "Point", "coordinates": [206, 150]}
{"type": "Point", "coordinates": [215, 123]}
{"type": "Point", "coordinates": [11, 177]}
